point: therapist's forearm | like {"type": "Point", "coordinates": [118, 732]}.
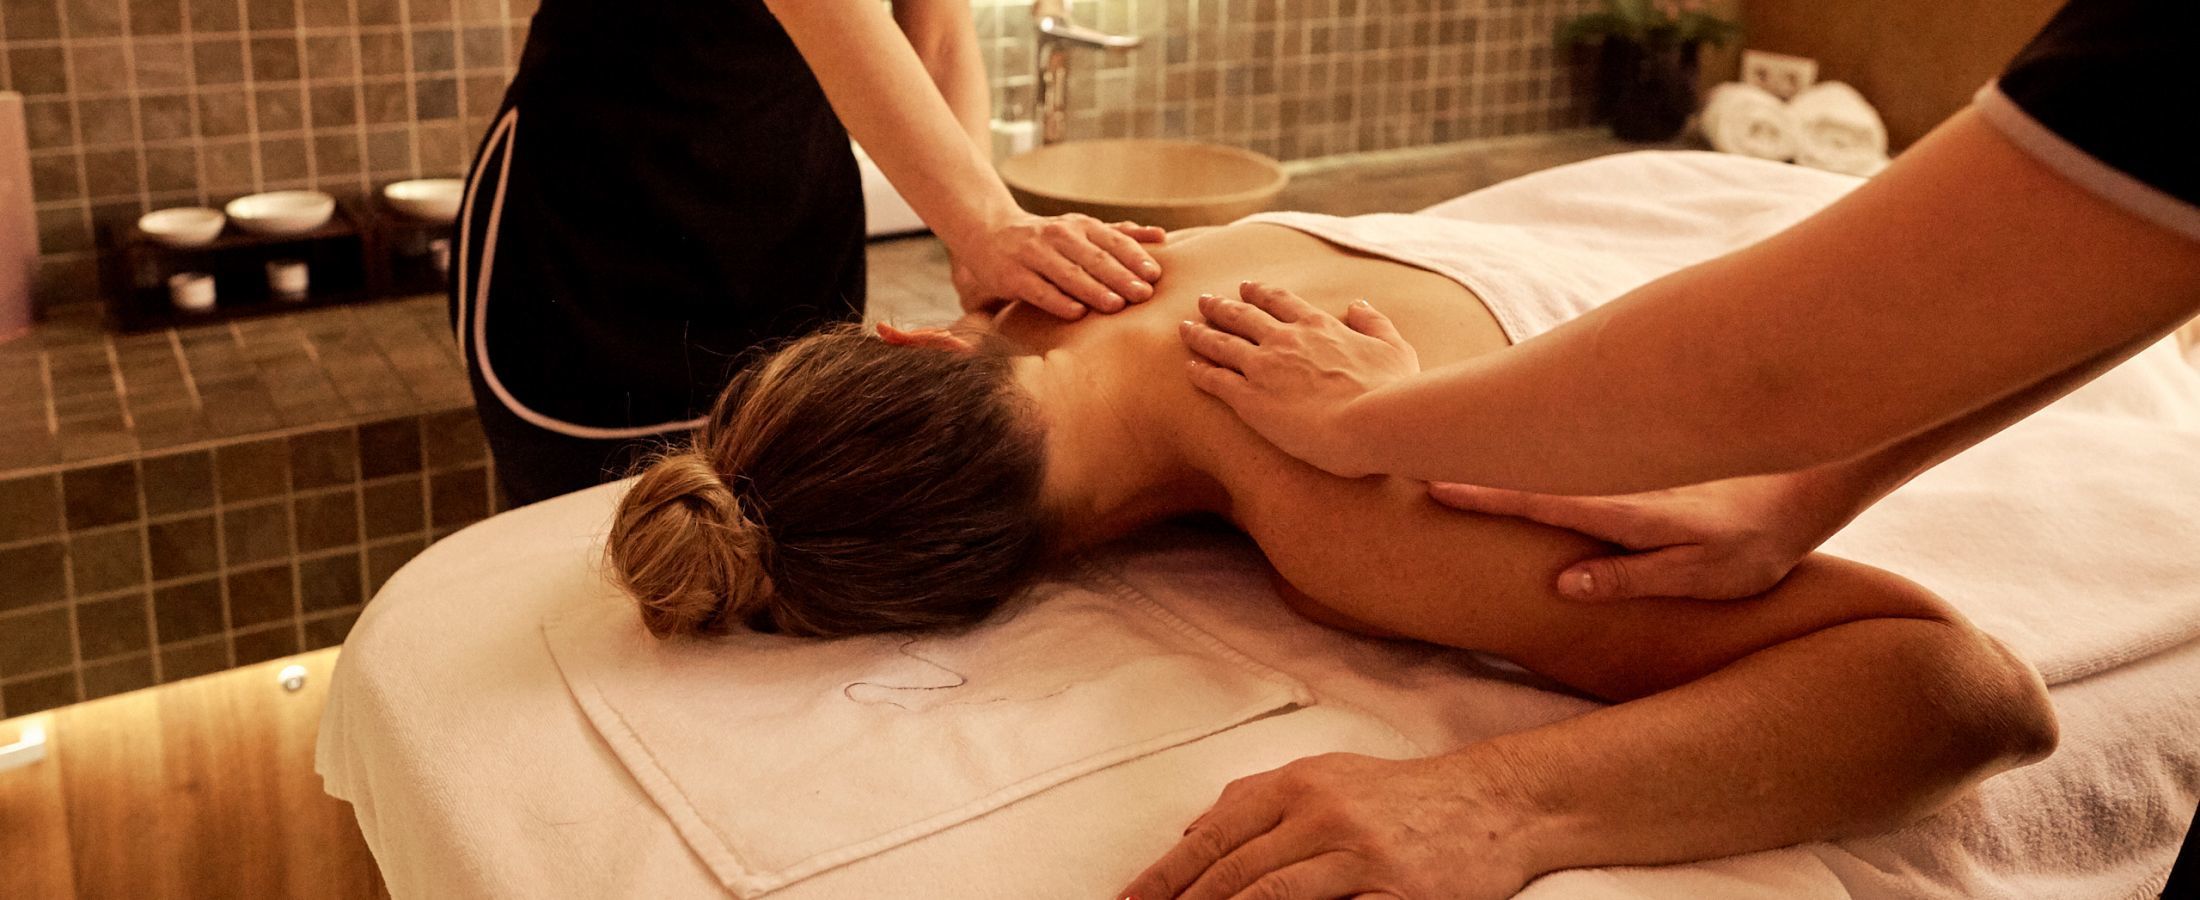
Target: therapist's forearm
{"type": "Point", "coordinates": [1876, 475]}
{"type": "Point", "coordinates": [1852, 730]}
{"type": "Point", "coordinates": [946, 43]}
{"type": "Point", "coordinates": [1962, 274]}
{"type": "Point", "coordinates": [891, 105]}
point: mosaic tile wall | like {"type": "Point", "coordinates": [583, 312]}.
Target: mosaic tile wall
{"type": "Point", "coordinates": [1303, 78]}
{"type": "Point", "coordinates": [139, 104]}
{"type": "Point", "coordinates": [133, 105]}
{"type": "Point", "coordinates": [126, 574]}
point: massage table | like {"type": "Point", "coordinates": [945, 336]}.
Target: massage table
{"type": "Point", "coordinates": [503, 726]}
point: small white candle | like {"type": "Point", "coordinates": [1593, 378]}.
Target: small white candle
{"type": "Point", "coordinates": [191, 291]}
{"type": "Point", "coordinates": [287, 279]}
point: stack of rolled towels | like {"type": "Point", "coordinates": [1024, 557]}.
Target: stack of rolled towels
{"type": "Point", "coordinates": [1827, 126]}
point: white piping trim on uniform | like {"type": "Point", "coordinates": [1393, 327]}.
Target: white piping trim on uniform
{"type": "Point", "coordinates": [2084, 169]}
{"type": "Point", "coordinates": [507, 129]}
{"type": "Point", "coordinates": [466, 226]}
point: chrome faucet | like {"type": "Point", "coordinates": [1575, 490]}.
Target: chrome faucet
{"type": "Point", "coordinates": [1056, 34]}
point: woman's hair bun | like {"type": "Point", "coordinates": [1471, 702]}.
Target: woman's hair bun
{"type": "Point", "coordinates": [683, 546]}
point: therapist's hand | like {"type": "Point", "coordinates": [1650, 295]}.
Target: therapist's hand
{"type": "Point", "coordinates": [1289, 369]}
{"type": "Point", "coordinates": [1062, 264]}
{"type": "Point", "coordinates": [1344, 825]}
{"type": "Point", "coordinates": [1722, 540]}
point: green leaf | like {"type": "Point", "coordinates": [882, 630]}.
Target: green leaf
{"type": "Point", "coordinates": [1706, 28]}
{"type": "Point", "coordinates": [1636, 13]}
{"type": "Point", "coordinates": [1592, 26]}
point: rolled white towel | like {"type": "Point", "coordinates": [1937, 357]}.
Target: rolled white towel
{"type": "Point", "coordinates": [1748, 120]}
{"type": "Point", "coordinates": [1841, 132]}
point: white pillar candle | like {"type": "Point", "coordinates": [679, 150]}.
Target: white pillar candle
{"type": "Point", "coordinates": [191, 291]}
{"type": "Point", "coordinates": [287, 279]}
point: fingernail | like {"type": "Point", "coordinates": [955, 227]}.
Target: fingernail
{"type": "Point", "coordinates": [1137, 285]}
{"type": "Point", "coordinates": [1578, 584]}
{"type": "Point", "coordinates": [1115, 300]}
{"type": "Point", "coordinates": [1187, 324]}
{"type": "Point", "coordinates": [1150, 269]}
{"type": "Point", "coordinates": [1361, 303]}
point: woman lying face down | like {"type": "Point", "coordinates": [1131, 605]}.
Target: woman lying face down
{"type": "Point", "coordinates": [851, 484]}
{"type": "Point", "coordinates": [843, 486]}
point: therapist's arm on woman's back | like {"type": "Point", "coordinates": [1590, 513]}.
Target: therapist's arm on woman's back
{"type": "Point", "coordinates": [922, 120]}
{"type": "Point", "coordinates": [1737, 537]}
{"type": "Point", "coordinates": [1965, 272]}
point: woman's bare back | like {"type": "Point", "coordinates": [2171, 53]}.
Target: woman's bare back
{"type": "Point", "coordinates": [1374, 554]}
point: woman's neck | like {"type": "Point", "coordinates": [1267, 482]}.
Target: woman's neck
{"type": "Point", "coordinates": [1113, 464]}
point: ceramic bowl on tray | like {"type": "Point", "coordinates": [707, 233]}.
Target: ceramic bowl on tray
{"type": "Point", "coordinates": [428, 199]}
{"type": "Point", "coordinates": [282, 212]}
{"type": "Point", "coordinates": [183, 226]}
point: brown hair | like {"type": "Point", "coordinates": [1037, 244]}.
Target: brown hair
{"type": "Point", "coordinates": [842, 485]}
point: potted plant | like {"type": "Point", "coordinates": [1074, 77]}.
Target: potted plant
{"type": "Point", "coordinates": [1646, 61]}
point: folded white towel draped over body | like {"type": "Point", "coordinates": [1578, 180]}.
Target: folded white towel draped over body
{"type": "Point", "coordinates": [503, 727]}
{"type": "Point", "coordinates": [1748, 120]}
{"type": "Point", "coordinates": [1840, 131]}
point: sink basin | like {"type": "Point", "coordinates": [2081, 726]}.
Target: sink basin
{"type": "Point", "coordinates": [1173, 184]}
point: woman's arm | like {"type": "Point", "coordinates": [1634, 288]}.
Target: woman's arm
{"type": "Point", "coordinates": [947, 45]}
{"type": "Point", "coordinates": [1854, 729]}
{"type": "Point", "coordinates": [891, 104]}
{"type": "Point", "coordinates": [1963, 274]}
{"type": "Point", "coordinates": [1845, 701]}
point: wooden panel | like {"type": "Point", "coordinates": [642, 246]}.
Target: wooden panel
{"type": "Point", "coordinates": [1918, 61]}
{"type": "Point", "coordinates": [34, 825]}
{"type": "Point", "coordinates": [18, 225]}
{"type": "Point", "coordinates": [109, 755]}
{"type": "Point", "coordinates": [199, 789]}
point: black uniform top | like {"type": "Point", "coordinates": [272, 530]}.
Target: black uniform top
{"type": "Point", "coordinates": [679, 191]}
{"type": "Point", "coordinates": [2101, 94]}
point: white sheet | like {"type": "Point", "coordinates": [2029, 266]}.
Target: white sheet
{"type": "Point", "coordinates": [474, 773]}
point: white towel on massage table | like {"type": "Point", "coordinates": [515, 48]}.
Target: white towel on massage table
{"type": "Point", "coordinates": [474, 772]}
{"type": "Point", "coordinates": [778, 758]}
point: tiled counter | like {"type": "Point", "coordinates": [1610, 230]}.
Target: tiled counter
{"type": "Point", "coordinates": [177, 503]}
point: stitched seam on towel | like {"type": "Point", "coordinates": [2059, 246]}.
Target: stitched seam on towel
{"type": "Point", "coordinates": [1020, 790]}
{"type": "Point", "coordinates": [2080, 671]}
{"type": "Point", "coordinates": [1115, 586]}
{"type": "Point", "coordinates": [687, 819]}
{"type": "Point", "coordinates": [1294, 692]}
{"type": "Point", "coordinates": [1333, 230]}
{"type": "Point", "coordinates": [1123, 589]}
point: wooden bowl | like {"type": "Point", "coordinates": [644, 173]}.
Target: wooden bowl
{"type": "Point", "coordinates": [1173, 184]}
